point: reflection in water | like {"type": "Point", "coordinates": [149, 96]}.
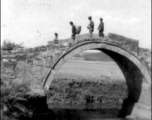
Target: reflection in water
{"type": "Point", "coordinates": [85, 100]}
{"type": "Point", "coordinates": [67, 114]}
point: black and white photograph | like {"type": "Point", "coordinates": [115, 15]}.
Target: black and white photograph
{"type": "Point", "coordinates": [75, 60]}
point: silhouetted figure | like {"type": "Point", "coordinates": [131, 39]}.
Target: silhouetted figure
{"type": "Point", "coordinates": [56, 39]}
{"type": "Point", "coordinates": [100, 100]}
{"type": "Point", "coordinates": [89, 101]}
{"type": "Point", "coordinates": [73, 31]}
{"type": "Point", "coordinates": [101, 28]}
{"type": "Point", "coordinates": [91, 27]}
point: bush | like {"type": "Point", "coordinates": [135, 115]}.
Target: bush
{"type": "Point", "coordinates": [12, 99]}
{"type": "Point", "coordinates": [8, 46]}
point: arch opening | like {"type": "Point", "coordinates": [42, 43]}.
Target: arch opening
{"type": "Point", "coordinates": [134, 79]}
{"type": "Point", "coordinates": [137, 78]}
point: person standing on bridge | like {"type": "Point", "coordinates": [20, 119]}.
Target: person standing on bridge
{"type": "Point", "coordinates": [56, 38]}
{"type": "Point", "coordinates": [90, 27]}
{"type": "Point", "coordinates": [101, 28]}
{"type": "Point", "coordinates": [73, 31]}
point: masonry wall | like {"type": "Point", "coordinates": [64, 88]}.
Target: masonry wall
{"type": "Point", "coordinates": [128, 43]}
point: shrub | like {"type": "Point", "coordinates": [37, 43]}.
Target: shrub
{"type": "Point", "coordinates": [8, 46]}
{"type": "Point", "coordinates": [12, 99]}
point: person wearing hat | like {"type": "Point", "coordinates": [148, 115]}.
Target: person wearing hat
{"type": "Point", "coordinates": [101, 28]}
{"type": "Point", "coordinates": [91, 27]}
{"type": "Point", "coordinates": [56, 38]}
{"type": "Point", "coordinates": [73, 31]}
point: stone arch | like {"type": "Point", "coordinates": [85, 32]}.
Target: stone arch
{"type": "Point", "coordinates": [137, 76]}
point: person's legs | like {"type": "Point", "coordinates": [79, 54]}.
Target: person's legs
{"type": "Point", "coordinates": [90, 34]}
{"type": "Point", "coordinates": [73, 37]}
{"type": "Point", "coordinates": [100, 35]}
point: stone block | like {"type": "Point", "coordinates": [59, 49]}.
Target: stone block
{"type": "Point", "coordinates": [76, 51]}
{"type": "Point", "coordinates": [48, 80]}
{"type": "Point", "coordinates": [108, 47]}
{"type": "Point", "coordinates": [101, 45]}
{"type": "Point", "coordinates": [140, 112]}
{"type": "Point", "coordinates": [68, 56]}
{"type": "Point", "coordinates": [90, 46]}
{"type": "Point", "coordinates": [83, 48]}
{"type": "Point", "coordinates": [114, 48]}
{"type": "Point", "coordinates": [125, 53]}
{"type": "Point", "coordinates": [59, 64]}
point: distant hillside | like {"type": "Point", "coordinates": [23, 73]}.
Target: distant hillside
{"type": "Point", "coordinates": [99, 56]}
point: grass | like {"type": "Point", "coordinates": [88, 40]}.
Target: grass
{"type": "Point", "coordinates": [76, 94]}
{"type": "Point", "coordinates": [93, 70]}
{"type": "Point", "coordinates": [13, 97]}
{"type": "Point", "coordinates": [20, 93]}
{"type": "Point", "coordinates": [16, 91]}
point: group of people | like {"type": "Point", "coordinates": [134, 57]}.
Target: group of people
{"type": "Point", "coordinates": [90, 28]}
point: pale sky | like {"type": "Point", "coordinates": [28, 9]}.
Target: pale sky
{"type": "Point", "coordinates": [34, 22]}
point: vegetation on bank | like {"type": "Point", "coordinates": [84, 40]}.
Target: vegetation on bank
{"type": "Point", "coordinates": [86, 94]}
{"type": "Point", "coordinates": [19, 103]}
{"type": "Point", "coordinates": [22, 96]}
{"type": "Point", "coordinates": [20, 88]}
{"type": "Point", "coordinates": [8, 46]}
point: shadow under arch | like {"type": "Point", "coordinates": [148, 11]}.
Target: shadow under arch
{"type": "Point", "coordinates": [134, 79]}
{"type": "Point", "coordinates": [136, 74]}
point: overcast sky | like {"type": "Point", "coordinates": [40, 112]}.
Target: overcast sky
{"type": "Point", "coordinates": [34, 22]}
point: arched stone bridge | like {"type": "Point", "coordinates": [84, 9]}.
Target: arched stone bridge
{"type": "Point", "coordinates": [136, 73]}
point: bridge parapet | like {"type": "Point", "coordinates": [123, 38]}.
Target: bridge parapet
{"type": "Point", "coordinates": [57, 50]}
{"type": "Point", "coordinates": [127, 43]}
